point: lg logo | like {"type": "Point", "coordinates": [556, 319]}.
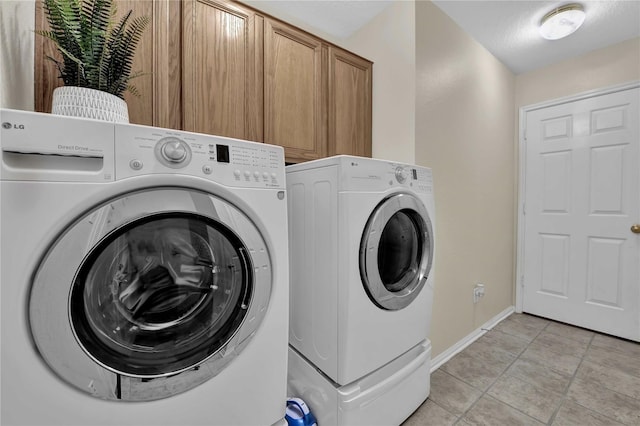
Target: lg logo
{"type": "Point", "coordinates": [7, 125]}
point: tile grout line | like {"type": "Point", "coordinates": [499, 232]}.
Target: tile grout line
{"type": "Point", "coordinates": [565, 394]}
{"type": "Point", "coordinates": [485, 392]}
{"type": "Point", "coordinates": [517, 358]}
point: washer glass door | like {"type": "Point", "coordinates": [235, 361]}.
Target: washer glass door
{"type": "Point", "coordinates": [149, 298]}
{"type": "Point", "coordinates": [150, 294]}
{"type": "Point", "coordinates": [396, 251]}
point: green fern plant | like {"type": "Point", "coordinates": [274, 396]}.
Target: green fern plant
{"type": "Point", "coordinates": [97, 51]}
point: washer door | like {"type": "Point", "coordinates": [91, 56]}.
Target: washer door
{"type": "Point", "coordinates": [396, 251]}
{"type": "Point", "coordinates": [155, 300]}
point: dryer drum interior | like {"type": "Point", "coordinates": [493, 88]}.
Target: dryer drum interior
{"type": "Point", "coordinates": [396, 251]}
{"type": "Point", "coordinates": [400, 250]}
{"type": "Point", "coordinates": [161, 294]}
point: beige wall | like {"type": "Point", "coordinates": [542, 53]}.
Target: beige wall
{"type": "Point", "coordinates": [16, 53]}
{"type": "Point", "coordinates": [464, 131]}
{"type": "Point", "coordinates": [612, 65]}
{"type": "Point", "coordinates": [389, 41]}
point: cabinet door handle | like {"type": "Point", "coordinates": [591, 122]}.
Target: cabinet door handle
{"type": "Point", "coordinates": [635, 228]}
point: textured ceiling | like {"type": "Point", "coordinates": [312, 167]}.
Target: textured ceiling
{"type": "Point", "coordinates": [508, 29]}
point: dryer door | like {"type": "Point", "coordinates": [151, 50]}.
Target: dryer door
{"type": "Point", "coordinates": [396, 251]}
{"type": "Point", "coordinates": [136, 301]}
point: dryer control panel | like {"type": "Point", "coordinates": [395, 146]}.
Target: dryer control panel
{"type": "Point", "coordinates": [142, 150]}
{"type": "Point", "coordinates": [366, 174]}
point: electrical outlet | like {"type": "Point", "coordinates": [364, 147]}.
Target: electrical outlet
{"type": "Point", "coordinates": [478, 292]}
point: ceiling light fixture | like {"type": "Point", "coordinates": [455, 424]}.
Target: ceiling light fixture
{"type": "Point", "coordinates": [562, 21]}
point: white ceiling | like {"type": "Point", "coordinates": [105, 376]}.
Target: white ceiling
{"type": "Point", "coordinates": [508, 29]}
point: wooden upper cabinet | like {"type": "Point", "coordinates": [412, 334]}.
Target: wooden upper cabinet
{"type": "Point", "coordinates": [221, 69]}
{"type": "Point", "coordinates": [349, 125]}
{"type": "Point", "coordinates": [159, 87]}
{"type": "Point", "coordinates": [46, 75]}
{"type": "Point", "coordinates": [294, 92]}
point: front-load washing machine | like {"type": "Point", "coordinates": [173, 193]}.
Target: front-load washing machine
{"type": "Point", "coordinates": [362, 246]}
{"type": "Point", "coordinates": [144, 275]}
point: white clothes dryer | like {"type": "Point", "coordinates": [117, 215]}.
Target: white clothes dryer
{"type": "Point", "coordinates": [144, 275]}
{"type": "Point", "coordinates": [362, 244]}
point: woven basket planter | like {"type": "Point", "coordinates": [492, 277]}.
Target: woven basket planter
{"type": "Point", "coordinates": [89, 103]}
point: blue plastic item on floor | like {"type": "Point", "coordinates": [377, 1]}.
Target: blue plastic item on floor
{"type": "Point", "coordinates": [298, 414]}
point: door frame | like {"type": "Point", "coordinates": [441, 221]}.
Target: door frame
{"type": "Point", "coordinates": [522, 128]}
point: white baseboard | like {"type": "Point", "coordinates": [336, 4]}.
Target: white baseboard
{"type": "Point", "coordinates": [469, 339]}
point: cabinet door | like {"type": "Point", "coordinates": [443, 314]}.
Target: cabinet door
{"type": "Point", "coordinates": [159, 101]}
{"type": "Point", "coordinates": [349, 104]}
{"type": "Point", "coordinates": [295, 87]}
{"type": "Point", "coordinates": [222, 69]}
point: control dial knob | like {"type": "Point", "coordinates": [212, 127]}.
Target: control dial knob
{"type": "Point", "coordinates": [401, 174]}
{"type": "Point", "coordinates": [174, 150]}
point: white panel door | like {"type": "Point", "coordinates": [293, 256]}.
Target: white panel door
{"type": "Point", "coordinates": [582, 197]}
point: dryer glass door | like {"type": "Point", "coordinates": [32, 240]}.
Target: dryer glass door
{"type": "Point", "coordinates": [396, 251]}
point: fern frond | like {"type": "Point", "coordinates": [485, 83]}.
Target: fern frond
{"type": "Point", "coordinates": [97, 52]}
{"type": "Point", "coordinates": [133, 90]}
{"type": "Point", "coordinates": [130, 87]}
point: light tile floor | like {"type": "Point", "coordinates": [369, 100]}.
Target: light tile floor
{"type": "Point", "coordinates": [531, 371]}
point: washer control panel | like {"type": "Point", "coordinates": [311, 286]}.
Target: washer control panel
{"type": "Point", "coordinates": [144, 150]}
{"type": "Point", "coordinates": [173, 152]}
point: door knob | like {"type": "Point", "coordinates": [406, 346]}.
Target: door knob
{"type": "Point", "coordinates": [635, 228]}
